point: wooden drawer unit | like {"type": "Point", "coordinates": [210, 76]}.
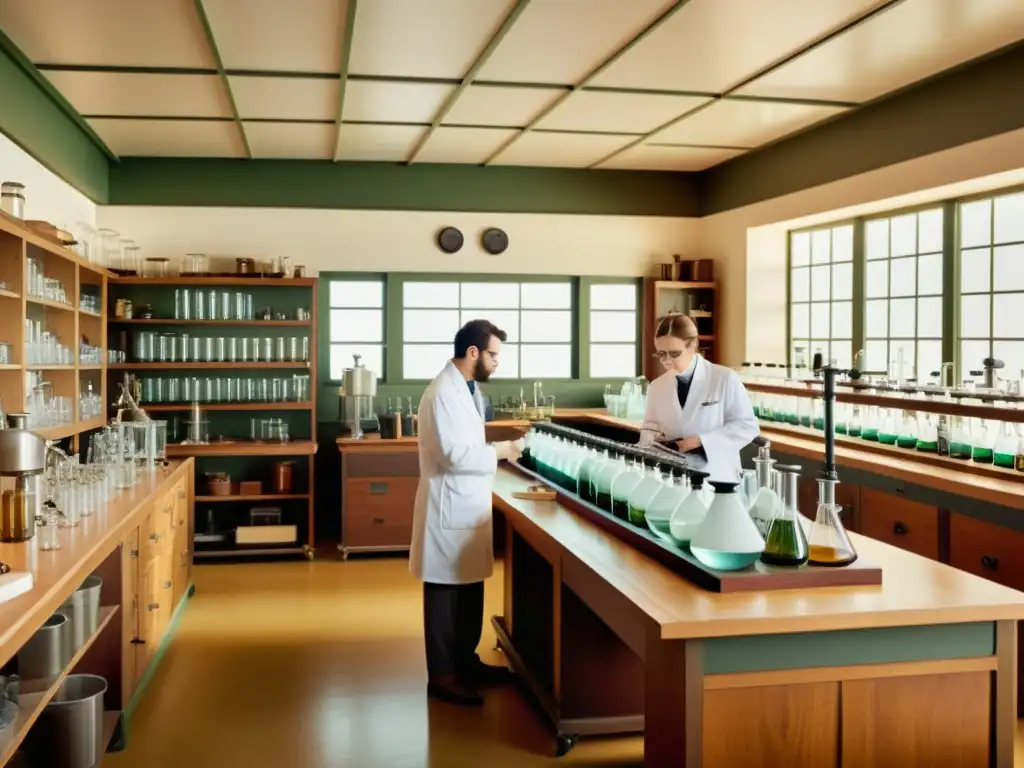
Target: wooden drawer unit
{"type": "Point", "coordinates": [378, 512]}
{"type": "Point", "coordinates": [987, 550]}
{"type": "Point", "coordinates": [907, 524]}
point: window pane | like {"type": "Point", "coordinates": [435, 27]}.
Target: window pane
{"type": "Point", "coordinates": [341, 358]}
{"type": "Point", "coordinates": [842, 243]}
{"type": "Point", "coordinates": [424, 361]}
{"type": "Point", "coordinates": [819, 320]}
{"type": "Point", "coordinates": [612, 326]}
{"type": "Point", "coordinates": [974, 317]}
{"type": "Point", "coordinates": [506, 319]}
{"type": "Point", "coordinates": [842, 320]}
{"type": "Point", "coordinates": [357, 325]}
{"type": "Point", "coordinates": [612, 361]}
{"type": "Point", "coordinates": [821, 246]}
{"type": "Point", "coordinates": [357, 293]}
{"type": "Point", "coordinates": [799, 354]}
{"type": "Point", "coordinates": [876, 356]}
{"type": "Point", "coordinates": [430, 295]}
{"type": "Point", "coordinates": [1009, 268]}
{"type": "Point", "coordinates": [903, 278]}
{"type": "Point", "coordinates": [800, 249]}
{"type": "Point", "coordinates": [556, 325]}
{"type": "Point", "coordinates": [929, 359]}
{"type": "Point", "coordinates": [877, 281]}
{"type": "Point", "coordinates": [1007, 316]}
{"type": "Point", "coordinates": [929, 318]}
{"type": "Point", "coordinates": [841, 352]}
{"type": "Point", "coordinates": [613, 296]}
{"type": "Point", "coordinates": [546, 295]}
{"type": "Point", "coordinates": [929, 231]}
{"type": "Point", "coordinates": [820, 280]}
{"type": "Point", "coordinates": [904, 235]}
{"type": "Point", "coordinates": [1011, 353]}
{"type": "Point", "coordinates": [876, 318]}
{"type": "Point", "coordinates": [551, 361]}
{"type": "Point", "coordinates": [842, 281]}
{"type": "Point", "coordinates": [487, 295]}
{"type": "Point", "coordinates": [974, 271]}
{"type": "Point", "coordinates": [929, 275]}
{"type": "Point", "coordinates": [901, 318]}
{"type": "Point", "coordinates": [876, 239]}
{"type": "Point", "coordinates": [800, 321]}
{"type": "Point", "coordinates": [907, 348]}
{"type": "Point", "coordinates": [1009, 215]}
{"type": "Point", "coordinates": [801, 287]}
{"type": "Point", "coordinates": [430, 325]}
{"type": "Point", "coordinates": [818, 346]}
{"type": "Point", "coordinates": [976, 224]}
{"type": "Point", "coordinates": [508, 362]}
{"type": "Point", "coordinates": [971, 355]}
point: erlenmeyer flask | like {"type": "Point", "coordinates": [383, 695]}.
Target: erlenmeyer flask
{"type": "Point", "coordinates": [887, 428]}
{"type": "Point", "coordinates": [785, 542]}
{"type": "Point", "coordinates": [829, 544]}
{"type": "Point", "coordinates": [869, 428]}
{"type": "Point", "coordinates": [927, 434]}
{"type": "Point", "coordinates": [1005, 453]}
{"type": "Point", "coordinates": [984, 443]}
{"type": "Point", "coordinates": [906, 434]}
{"type": "Point", "coordinates": [960, 438]}
{"type": "Point", "coordinates": [623, 485]}
{"type": "Point", "coordinates": [643, 493]}
{"type": "Point", "coordinates": [817, 414]}
{"type": "Point", "coordinates": [662, 507]}
{"type": "Point", "coordinates": [605, 479]}
{"type": "Point", "coordinates": [594, 461]}
{"type": "Point", "coordinates": [690, 512]}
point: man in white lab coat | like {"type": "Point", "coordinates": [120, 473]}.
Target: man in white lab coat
{"type": "Point", "coordinates": [452, 550]}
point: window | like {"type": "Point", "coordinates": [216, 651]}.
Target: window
{"type": "Point", "coordinates": [821, 295]}
{"type": "Point", "coordinates": [903, 293]}
{"type": "Point", "coordinates": [356, 325]}
{"type": "Point", "coordinates": [992, 283]}
{"type": "Point", "coordinates": [613, 323]}
{"type": "Point", "coordinates": [536, 316]}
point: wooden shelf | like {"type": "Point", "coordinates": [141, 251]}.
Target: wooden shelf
{"type": "Point", "coordinates": [62, 431]}
{"type": "Point", "coordinates": [246, 323]}
{"type": "Point", "coordinates": [51, 304]}
{"type": "Point", "coordinates": [17, 228]}
{"type": "Point", "coordinates": [268, 551]}
{"type": "Point", "coordinates": [253, 497]}
{"type": "Point", "coordinates": [253, 282]}
{"type": "Point", "coordinates": [9, 295]}
{"type": "Point", "coordinates": [10, 367]}
{"type": "Point", "coordinates": [31, 705]}
{"type": "Point", "coordinates": [49, 367]}
{"type": "Point", "coordinates": [251, 406]}
{"type": "Point", "coordinates": [87, 313]}
{"type": "Point", "coordinates": [202, 365]}
{"type": "Point", "coordinates": [110, 720]}
{"type": "Point", "coordinates": [244, 448]}
{"type": "Point", "coordinates": [676, 285]}
{"type": "Point", "coordinates": [92, 367]}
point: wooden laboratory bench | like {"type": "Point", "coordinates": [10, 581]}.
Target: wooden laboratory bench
{"type": "Point", "coordinates": [141, 548]}
{"type": "Point", "coordinates": [918, 671]}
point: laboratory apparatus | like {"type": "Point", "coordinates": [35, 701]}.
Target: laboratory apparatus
{"type": "Point", "coordinates": [786, 542]}
{"type": "Point", "coordinates": [22, 458]}
{"type": "Point", "coordinates": [645, 491]}
{"type": "Point", "coordinates": [359, 387]}
{"type": "Point", "coordinates": [727, 539]}
{"type": "Point", "coordinates": [766, 502]}
{"type": "Point", "coordinates": [623, 486]}
{"type": "Point", "coordinates": [689, 512]}
{"type": "Point", "coordinates": [662, 507]}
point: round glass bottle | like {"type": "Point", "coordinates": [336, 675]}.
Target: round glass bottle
{"type": "Point", "coordinates": [661, 508]}
{"type": "Point", "coordinates": [644, 492]}
{"type": "Point", "coordinates": [605, 479]}
{"type": "Point", "coordinates": [623, 485]}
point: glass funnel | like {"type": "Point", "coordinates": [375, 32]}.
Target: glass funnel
{"type": "Point", "coordinates": [644, 492]}
{"type": "Point", "coordinates": [785, 540]}
{"type": "Point", "coordinates": [604, 480]}
{"type": "Point", "coordinates": [623, 486]}
{"type": "Point", "coordinates": [828, 543]}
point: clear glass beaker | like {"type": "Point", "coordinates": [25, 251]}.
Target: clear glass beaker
{"type": "Point", "coordinates": [828, 543]}
{"type": "Point", "coordinates": [785, 541]}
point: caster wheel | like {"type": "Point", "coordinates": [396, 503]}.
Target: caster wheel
{"type": "Point", "coordinates": [565, 743]}
{"type": "Point", "coordinates": [309, 553]}
{"type": "Point", "coordinates": [344, 556]}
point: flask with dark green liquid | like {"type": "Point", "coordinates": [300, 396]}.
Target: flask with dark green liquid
{"type": "Point", "coordinates": [1005, 452]}
{"type": "Point", "coordinates": [785, 541]}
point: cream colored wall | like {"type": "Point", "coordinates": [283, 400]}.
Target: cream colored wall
{"type": "Point", "coordinates": [749, 244]}
{"type": "Point", "coordinates": [47, 196]}
{"type": "Point", "coordinates": [397, 241]}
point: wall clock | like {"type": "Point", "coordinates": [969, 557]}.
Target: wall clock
{"type": "Point", "coordinates": [449, 239]}
{"type": "Point", "coordinates": [494, 241]}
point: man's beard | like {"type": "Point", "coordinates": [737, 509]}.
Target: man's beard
{"type": "Point", "coordinates": [480, 373]}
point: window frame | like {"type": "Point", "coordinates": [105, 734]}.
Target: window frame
{"type": "Point", "coordinates": [584, 325]}
{"type": "Point", "coordinates": [327, 343]}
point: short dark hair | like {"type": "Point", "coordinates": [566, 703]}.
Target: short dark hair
{"type": "Point", "coordinates": [476, 333]}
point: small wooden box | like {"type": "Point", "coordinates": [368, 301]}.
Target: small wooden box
{"type": "Point", "coordinates": [250, 488]}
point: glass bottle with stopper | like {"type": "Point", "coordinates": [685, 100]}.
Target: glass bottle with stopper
{"type": "Point", "coordinates": [624, 484]}
{"type": "Point", "coordinates": [691, 510]}
{"type": "Point", "coordinates": [644, 492]}
{"type": "Point", "coordinates": [785, 541]}
{"type": "Point", "coordinates": [765, 504]}
{"type": "Point", "coordinates": [727, 539]}
{"type": "Point", "coordinates": [660, 509]}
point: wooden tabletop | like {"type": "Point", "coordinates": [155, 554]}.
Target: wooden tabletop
{"type": "Point", "coordinates": [914, 591]}
{"type": "Point", "coordinates": [58, 573]}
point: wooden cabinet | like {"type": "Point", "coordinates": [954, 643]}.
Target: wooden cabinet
{"type": "Point", "coordinates": [901, 522]}
{"type": "Point", "coordinates": [378, 491]}
{"type": "Point", "coordinates": [987, 550]}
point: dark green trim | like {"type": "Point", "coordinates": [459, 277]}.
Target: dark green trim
{"type": "Point", "coordinates": [950, 284]}
{"type": "Point", "coordinates": [208, 31]}
{"type": "Point", "coordinates": [803, 650]}
{"type": "Point", "coordinates": [970, 103]}
{"type": "Point", "coordinates": [346, 55]}
{"type": "Point", "coordinates": [392, 186]}
{"type": "Point", "coordinates": [860, 268]}
{"type": "Point", "coordinates": [485, 54]}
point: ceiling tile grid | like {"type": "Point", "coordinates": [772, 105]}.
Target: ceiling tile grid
{"type": "Point", "coordinates": [617, 112]}
{"type": "Point", "coordinates": [654, 157]}
{"type": "Point", "coordinates": [170, 138]}
{"type": "Point", "coordinates": [565, 150]}
{"type": "Point", "coordinates": [500, 105]}
{"type": "Point", "coordinates": [285, 98]}
{"type": "Point", "coordinates": [463, 145]}
{"type": "Point", "coordinates": [386, 143]}
{"type": "Point", "coordinates": [134, 94]}
{"type": "Point", "coordinates": [296, 141]}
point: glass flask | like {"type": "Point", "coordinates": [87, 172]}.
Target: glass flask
{"type": "Point", "coordinates": [960, 438]}
{"type": "Point", "coordinates": [854, 425]}
{"type": "Point", "coordinates": [594, 460]}
{"type": "Point", "coordinates": [574, 456]}
{"type": "Point", "coordinates": [1005, 450]}
{"type": "Point", "coordinates": [906, 433]}
{"type": "Point", "coordinates": [605, 479]}
{"type": "Point", "coordinates": [984, 442]}
{"type": "Point", "coordinates": [644, 492]}
{"type": "Point", "coordinates": [870, 423]}
{"type": "Point", "coordinates": [842, 417]}
{"type": "Point", "coordinates": [1020, 451]}
{"type": "Point", "coordinates": [689, 512]}
{"type": "Point", "coordinates": [927, 433]}
{"type": "Point", "coordinates": [727, 539]}
{"type": "Point", "coordinates": [785, 541]}
{"type": "Point", "coordinates": [675, 488]}
{"type": "Point", "coordinates": [748, 487]}
{"type": "Point", "coordinates": [828, 543]}
{"type": "Point", "coordinates": [793, 410]}
{"type": "Point", "coordinates": [766, 504]}
{"type": "Point", "coordinates": [623, 486]}
{"type": "Point", "coordinates": [887, 427]}
{"type": "Point", "coordinates": [803, 411]}
{"type": "Point", "coordinates": [817, 414]}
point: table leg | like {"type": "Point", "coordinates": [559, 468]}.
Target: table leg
{"type": "Point", "coordinates": [1004, 716]}
{"type": "Point", "coordinates": [673, 693]}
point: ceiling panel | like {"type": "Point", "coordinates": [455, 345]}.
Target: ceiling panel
{"type": "Point", "coordinates": [622, 112]}
{"type": "Point", "coordinates": [463, 145]}
{"type": "Point", "coordinates": [285, 98]}
{"type": "Point", "coordinates": [171, 138]}
{"type": "Point", "coordinates": [910, 41]}
{"type": "Point", "coordinates": [567, 150]}
{"type": "Point", "coordinates": [391, 143]}
{"type": "Point", "coordinates": [305, 141]}
{"type": "Point", "coordinates": [742, 123]}
{"type": "Point", "coordinates": [166, 33]}
{"type": "Point", "coordinates": [269, 35]}
{"type": "Point", "coordinates": [394, 102]}
{"type": "Point", "coordinates": [439, 38]}
{"type": "Point", "coordinates": [649, 157]}
{"type": "Point", "coordinates": [712, 45]}
{"type": "Point", "coordinates": [148, 95]}
{"type": "Point", "coordinates": [562, 41]}
{"type": "Point", "coordinates": [500, 105]}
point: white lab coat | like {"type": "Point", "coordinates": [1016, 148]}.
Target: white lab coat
{"type": "Point", "coordinates": [451, 528]}
{"type": "Point", "coordinates": [718, 411]}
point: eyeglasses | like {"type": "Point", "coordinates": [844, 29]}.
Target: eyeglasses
{"type": "Point", "coordinates": [674, 354]}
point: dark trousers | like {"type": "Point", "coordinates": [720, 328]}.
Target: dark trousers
{"type": "Point", "coordinates": [453, 617]}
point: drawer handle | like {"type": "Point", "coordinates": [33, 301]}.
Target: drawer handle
{"type": "Point", "coordinates": [153, 607]}
{"type": "Point", "coordinates": [901, 491]}
{"type": "Point", "coordinates": [378, 520]}
{"type": "Point", "coordinates": [989, 562]}
{"type": "Point", "coordinates": [376, 489]}
{"type": "Point", "coordinates": [154, 536]}
{"type": "Point", "coordinates": [167, 585]}
{"type": "Point", "coordinates": [900, 529]}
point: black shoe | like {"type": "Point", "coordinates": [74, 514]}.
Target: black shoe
{"type": "Point", "coordinates": [454, 692]}
{"type": "Point", "coordinates": [485, 674]}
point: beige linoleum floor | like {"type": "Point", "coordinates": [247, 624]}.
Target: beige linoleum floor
{"type": "Point", "coordinates": [320, 665]}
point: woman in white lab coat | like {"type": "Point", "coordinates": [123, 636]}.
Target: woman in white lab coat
{"type": "Point", "coordinates": [697, 407]}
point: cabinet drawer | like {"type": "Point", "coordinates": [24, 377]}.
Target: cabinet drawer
{"type": "Point", "coordinates": [986, 550]}
{"type": "Point", "coordinates": [378, 511]}
{"type": "Point", "coordinates": [907, 524]}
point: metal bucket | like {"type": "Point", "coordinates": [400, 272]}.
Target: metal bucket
{"type": "Point", "coordinates": [48, 651]}
{"type": "Point", "coordinates": [69, 732]}
{"type": "Point", "coordinates": [83, 611]}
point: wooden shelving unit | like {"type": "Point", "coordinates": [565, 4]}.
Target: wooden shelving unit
{"type": "Point", "coordinates": [699, 300]}
{"type": "Point", "coordinates": [17, 245]}
{"type": "Point", "coordinates": [247, 459]}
